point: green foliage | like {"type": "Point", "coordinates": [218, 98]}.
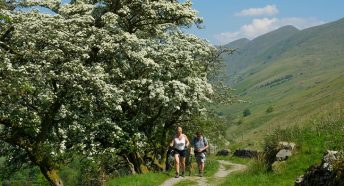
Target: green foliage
{"type": "Point", "coordinates": [246, 112]}
{"type": "Point", "coordinates": [26, 176]}
{"type": "Point", "coordinates": [269, 109]}
{"type": "Point", "coordinates": [90, 81]}
{"type": "Point", "coordinates": [210, 125]}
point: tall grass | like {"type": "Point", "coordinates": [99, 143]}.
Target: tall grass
{"type": "Point", "coordinates": [150, 179]}
{"type": "Point", "coordinates": [320, 134]}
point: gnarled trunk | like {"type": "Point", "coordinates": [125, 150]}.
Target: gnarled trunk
{"type": "Point", "coordinates": [51, 175]}
{"type": "Point", "coordinates": [46, 165]}
{"type": "Point", "coordinates": [139, 164]}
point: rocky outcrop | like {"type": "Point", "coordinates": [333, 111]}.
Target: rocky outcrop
{"type": "Point", "coordinates": [280, 151]}
{"type": "Point", "coordinates": [330, 172]}
{"type": "Point", "coordinates": [223, 152]}
{"type": "Point", "coordinates": [285, 150]}
{"type": "Point", "coordinates": [246, 153]}
{"type": "Point", "coordinates": [283, 154]}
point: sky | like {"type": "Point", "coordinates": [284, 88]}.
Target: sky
{"type": "Point", "coordinates": [229, 20]}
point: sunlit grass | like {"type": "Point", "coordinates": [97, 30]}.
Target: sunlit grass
{"type": "Point", "coordinates": [150, 179]}
{"type": "Point", "coordinates": [321, 134]}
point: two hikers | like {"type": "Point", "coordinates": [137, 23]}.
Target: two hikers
{"type": "Point", "coordinates": [180, 143]}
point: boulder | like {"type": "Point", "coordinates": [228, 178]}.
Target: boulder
{"type": "Point", "coordinates": [278, 152]}
{"type": "Point", "coordinates": [286, 145]}
{"type": "Point", "coordinates": [283, 154]}
{"type": "Point", "coordinates": [246, 153]}
{"type": "Point", "coordinates": [329, 172]}
{"type": "Point", "coordinates": [223, 152]}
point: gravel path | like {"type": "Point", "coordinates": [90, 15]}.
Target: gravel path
{"type": "Point", "coordinates": [202, 181]}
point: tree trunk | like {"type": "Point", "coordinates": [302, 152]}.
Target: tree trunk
{"type": "Point", "coordinates": [138, 162]}
{"type": "Point", "coordinates": [131, 165]}
{"type": "Point", "coordinates": [51, 175]}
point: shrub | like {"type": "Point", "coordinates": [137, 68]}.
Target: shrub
{"type": "Point", "coordinates": [246, 112]}
{"type": "Point", "coordinates": [270, 109]}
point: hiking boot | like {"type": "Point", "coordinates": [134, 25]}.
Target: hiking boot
{"type": "Point", "coordinates": [183, 174]}
{"type": "Point", "coordinates": [177, 175]}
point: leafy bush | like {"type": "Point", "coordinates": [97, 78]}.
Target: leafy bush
{"type": "Point", "coordinates": [269, 109]}
{"type": "Point", "coordinates": [246, 112]}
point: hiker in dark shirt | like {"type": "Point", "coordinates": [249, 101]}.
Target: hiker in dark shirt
{"type": "Point", "coordinates": [200, 144]}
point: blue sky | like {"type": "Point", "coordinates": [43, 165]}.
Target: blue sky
{"type": "Point", "coordinates": [228, 20]}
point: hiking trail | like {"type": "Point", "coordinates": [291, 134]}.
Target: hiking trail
{"type": "Point", "coordinates": [202, 181]}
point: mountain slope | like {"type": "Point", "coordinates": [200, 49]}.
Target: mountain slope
{"type": "Point", "coordinates": [255, 51]}
{"type": "Point", "coordinates": [299, 75]}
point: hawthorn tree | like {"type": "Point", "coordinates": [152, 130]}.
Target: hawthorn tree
{"type": "Point", "coordinates": [97, 77]}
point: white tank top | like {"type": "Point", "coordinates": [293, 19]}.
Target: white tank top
{"type": "Point", "coordinates": [179, 143]}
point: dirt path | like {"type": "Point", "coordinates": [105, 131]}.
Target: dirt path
{"type": "Point", "coordinates": [202, 181]}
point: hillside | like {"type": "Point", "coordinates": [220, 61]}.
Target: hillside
{"type": "Point", "coordinates": [299, 74]}
{"type": "Point", "coordinates": [254, 52]}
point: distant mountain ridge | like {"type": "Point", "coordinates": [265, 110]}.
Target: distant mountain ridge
{"type": "Point", "coordinates": [249, 52]}
{"type": "Point", "coordinates": [268, 47]}
{"type": "Point", "coordinates": [295, 71]}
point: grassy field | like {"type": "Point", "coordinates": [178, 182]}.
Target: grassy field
{"type": "Point", "coordinates": [292, 103]}
{"type": "Point", "coordinates": [313, 139]}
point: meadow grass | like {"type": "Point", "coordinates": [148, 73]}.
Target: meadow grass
{"type": "Point", "coordinates": [149, 179]}
{"type": "Point", "coordinates": [321, 134]}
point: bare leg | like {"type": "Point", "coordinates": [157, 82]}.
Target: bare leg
{"type": "Point", "coordinates": [202, 167]}
{"type": "Point", "coordinates": [182, 164]}
{"type": "Point", "coordinates": [199, 167]}
{"type": "Point", "coordinates": [176, 160]}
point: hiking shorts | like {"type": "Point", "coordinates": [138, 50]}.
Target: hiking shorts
{"type": "Point", "coordinates": [182, 153]}
{"type": "Point", "coordinates": [200, 157]}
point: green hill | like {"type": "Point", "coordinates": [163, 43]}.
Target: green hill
{"type": "Point", "coordinates": [254, 52]}
{"type": "Point", "coordinates": [298, 73]}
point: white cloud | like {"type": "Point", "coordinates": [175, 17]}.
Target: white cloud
{"type": "Point", "coordinates": [261, 26]}
{"type": "Point", "coordinates": [227, 37]}
{"type": "Point", "coordinates": [268, 10]}
{"type": "Point", "coordinates": [258, 27]}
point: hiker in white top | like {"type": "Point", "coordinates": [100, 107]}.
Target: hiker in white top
{"type": "Point", "coordinates": [180, 143]}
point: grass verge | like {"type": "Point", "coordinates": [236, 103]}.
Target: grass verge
{"type": "Point", "coordinates": [321, 134]}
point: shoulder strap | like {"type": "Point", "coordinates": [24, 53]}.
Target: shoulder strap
{"type": "Point", "coordinates": [205, 141]}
